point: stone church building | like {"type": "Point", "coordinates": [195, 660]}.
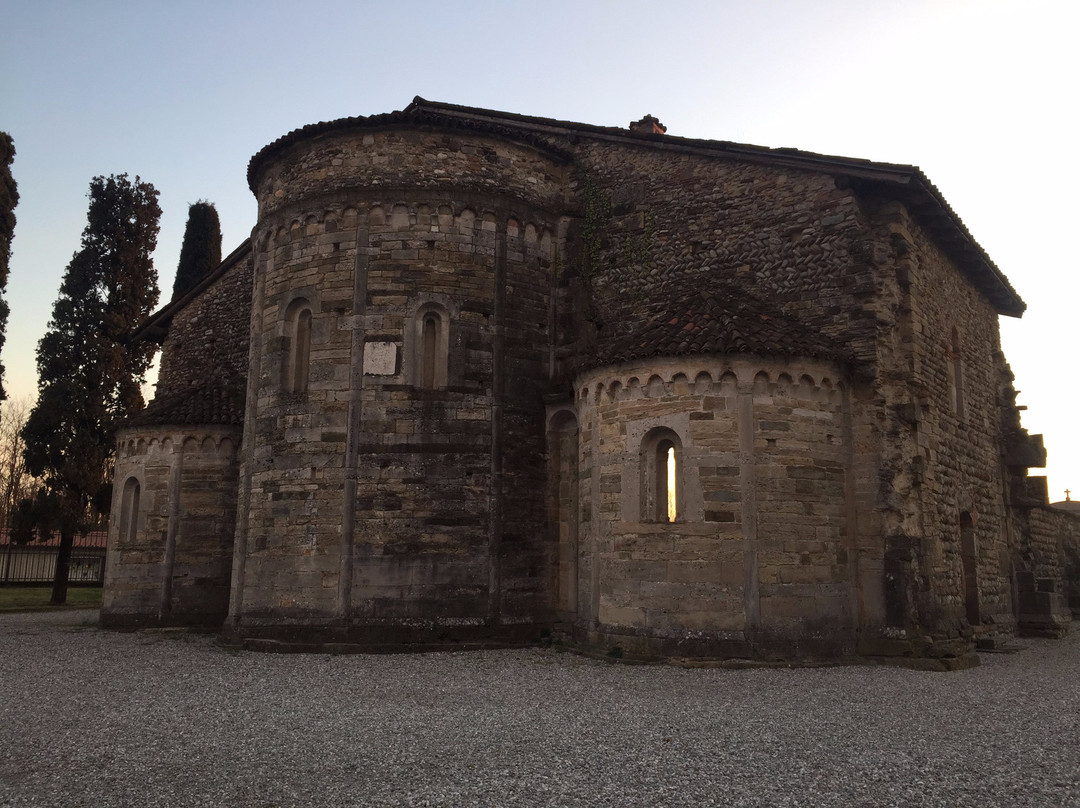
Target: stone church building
{"type": "Point", "coordinates": [482, 378]}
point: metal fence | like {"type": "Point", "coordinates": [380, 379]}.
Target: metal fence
{"type": "Point", "coordinates": [35, 563]}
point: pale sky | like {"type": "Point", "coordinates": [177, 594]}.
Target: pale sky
{"type": "Point", "coordinates": [981, 95]}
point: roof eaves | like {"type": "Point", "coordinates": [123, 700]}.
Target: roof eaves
{"type": "Point", "coordinates": [413, 115]}
{"type": "Point", "coordinates": [926, 203]}
{"type": "Point", "coordinates": [1001, 292]}
{"type": "Point", "coordinates": [782, 155]}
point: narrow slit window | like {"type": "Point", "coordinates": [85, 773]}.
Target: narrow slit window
{"type": "Point", "coordinates": [661, 457]}
{"type": "Point", "coordinates": [665, 482]}
{"type": "Point", "coordinates": [430, 351]}
{"type": "Point", "coordinates": [302, 351]}
{"type": "Point", "coordinates": [672, 509]}
{"type": "Point", "coordinates": [129, 510]}
{"type": "Point", "coordinates": [298, 333]}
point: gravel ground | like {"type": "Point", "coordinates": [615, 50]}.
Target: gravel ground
{"type": "Point", "coordinates": [97, 718]}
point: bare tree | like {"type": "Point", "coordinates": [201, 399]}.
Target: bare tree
{"type": "Point", "coordinates": [16, 484]}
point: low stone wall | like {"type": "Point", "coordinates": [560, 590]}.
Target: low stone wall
{"type": "Point", "coordinates": [1050, 582]}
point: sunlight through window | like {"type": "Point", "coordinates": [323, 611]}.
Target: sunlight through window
{"type": "Point", "coordinates": [671, 483]}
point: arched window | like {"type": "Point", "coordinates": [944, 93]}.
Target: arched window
{"type": "Point", "coordinates": [431, 340]}
{"type": "Point", "coordinates": [298, 330]}
{"type": "Point", "coordinates": [665, 481]}
{"type": "Point", "coordinates": [429, 350]}
{"type": "Point", "coordinates": [661, 476]}
{"type": "Point", "coordinates": [129, 511]}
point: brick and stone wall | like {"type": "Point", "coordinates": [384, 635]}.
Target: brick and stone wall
{"type": "Point", "coordinates": [624, 225]}
{"type": "Point", "coordinates": [943, 484]}
{"type": "Point", "coordinates": [758, 559]}
{"type": "Point", "coordinates": [337, 166]}
{"type": "Point", "coordinates": [1070, 532]}
{"type": "Point", "coordinates": [207, 343]}
{"type": "Point", "coordinates": [472, 335]}
{"type": "Point", "coordinates": [847, 267]}
{"type": "Point", "coordinates": [379, 509]}
{"type": "Point", "coordinates": [1047, 569]}
{"type": "Point", "coordinates": [170, 563]}
{"type": "Point", "coordinates": [170, 530]}
{"type": "Point", "coordinates": [654, 219]}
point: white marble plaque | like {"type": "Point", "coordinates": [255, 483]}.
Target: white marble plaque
{"type": "Point", "coordinates": [380, 358]}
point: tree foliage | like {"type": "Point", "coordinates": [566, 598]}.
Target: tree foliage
{"type": "Point", "coordinates": [9, 197]}
{"type": "Point", "coordinates": [201, 251]}
{"type": "Point", "coordinates": [32, 518]}
{"type": "Point", "coordinates": [89, 380]}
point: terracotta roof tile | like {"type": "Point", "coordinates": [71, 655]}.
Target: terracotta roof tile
{"type": "Point", "coordinates": [723, 319]}
{"type": "Point", "coordinates": [210, 404]}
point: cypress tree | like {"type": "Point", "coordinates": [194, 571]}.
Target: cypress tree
{"type": "Point", "coordinates": [89, 380]}
{"type": "Point", "coordinates": [9, 197]}
{"type": "Point", "coordinates": [200, 253]}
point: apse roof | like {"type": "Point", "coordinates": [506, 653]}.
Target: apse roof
{"type": "Point", "coordinates": [209, 404]}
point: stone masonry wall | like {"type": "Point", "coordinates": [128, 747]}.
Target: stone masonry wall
{"type": "Point", "coordinates": [758, 560]}
{"type": "Point", "coordinates": [468, 351]}
{"type": "Point", "coordinates": [525, 555]}
{"type": "Point", "coordinates": [657, 223]}
{"type": "Point", "coordinates": [656, 219]}
{"type": "Point", "coordinates": [1047, 570]}
{"type": "Point", "coordinates": [1070, 532]}
{"type": "Point", "coordinates": [336, 165]}
{"type": "Point", "coordinates": [172, 566]}
{"type": "Point", "coordinates": [208, 338]}
{"type": "Point", "coordinates": [943, 466]}
{"type": "Point", "coordinates": [446, 523]}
